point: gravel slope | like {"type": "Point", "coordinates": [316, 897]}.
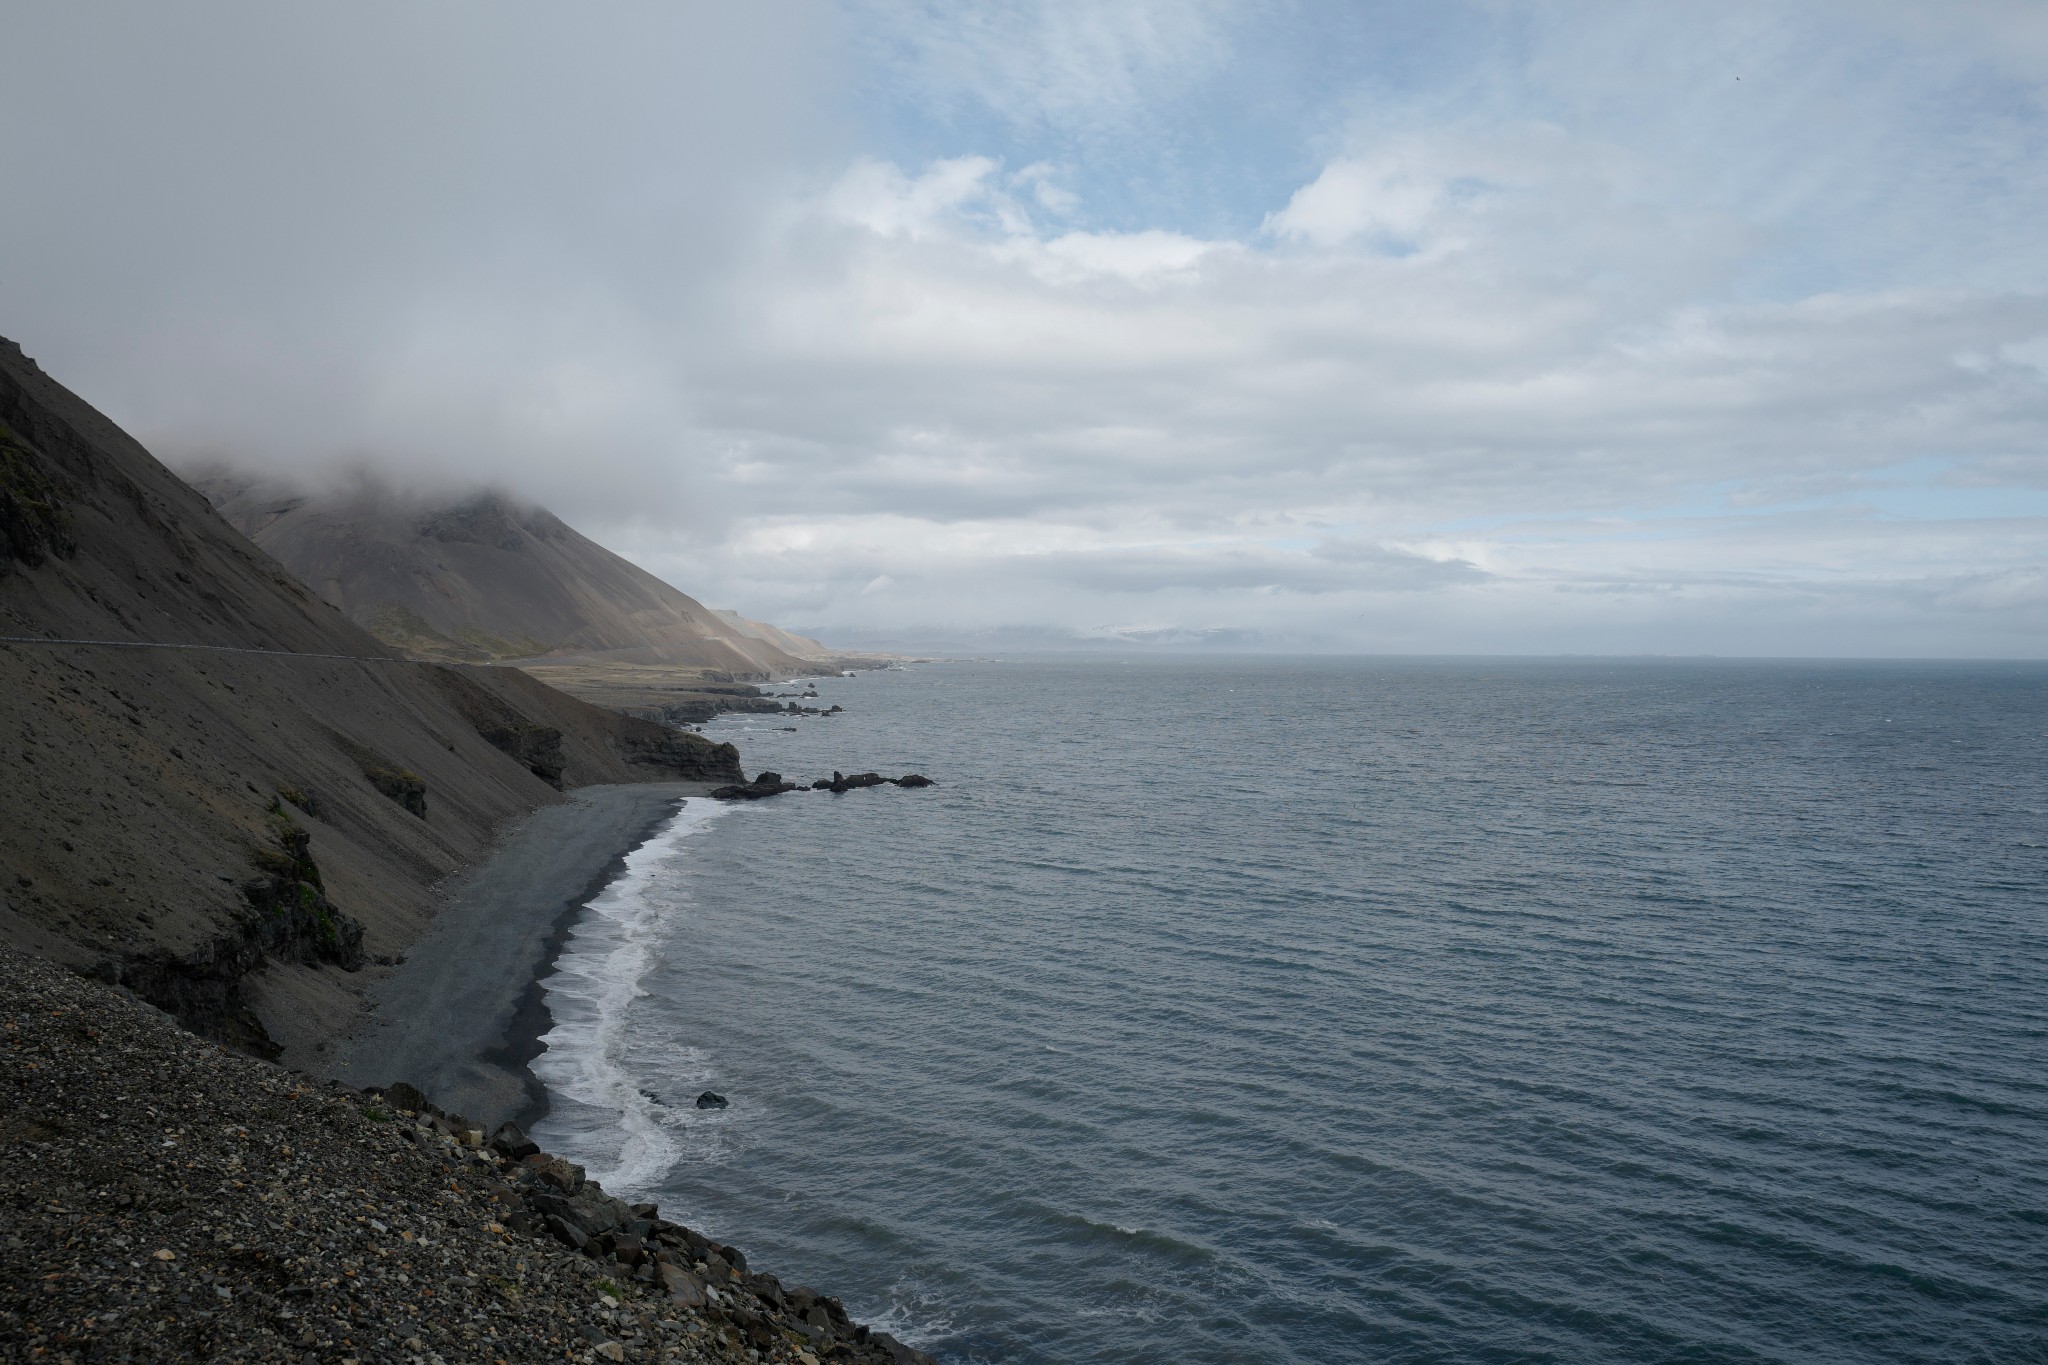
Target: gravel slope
{"type": "Point", "coordinates": [162, 1199]}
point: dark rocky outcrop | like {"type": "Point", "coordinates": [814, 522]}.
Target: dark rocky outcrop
{"type": "Point", "coordinates": [691, 756]}
{"type": "Point", "coordinates": [840, 783]}
{"type": "Point", "coordinates": [33, 522]}
{"type": "Point", "coordinates": [289, 919]}
{"type": "Point", "coordinates": [764, 785]}
{"type": "Point", "coordinates": [772, 784]}
{"type": "Point", "coordinates": [294, 919]}
{"type": "Point", "coordinates": [711, 1099]}
{"type": "Point", "coordinates": [401, 786]}
{"type": "Point", "coordinates": [539, 747]}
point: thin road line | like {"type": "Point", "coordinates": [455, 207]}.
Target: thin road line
{"type": "Point", "coordinates": [216, 649]}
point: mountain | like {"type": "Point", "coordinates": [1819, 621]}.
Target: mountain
{"type": "Point", "coordinates": [797, 646]}
{"type": "Point", "coordinates": [484, 578]}
{"type": "Point", "coordinates": [231, 825]}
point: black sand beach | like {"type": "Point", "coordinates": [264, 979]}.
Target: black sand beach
{"type": "Point", "coordinates": [464, 1013]}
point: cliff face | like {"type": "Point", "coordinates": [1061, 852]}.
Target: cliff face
{"type": "Point", "coordinates": [484, 578]}
{"type": "Point", "coordinates": [229, 829]}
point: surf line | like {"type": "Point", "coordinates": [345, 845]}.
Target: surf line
{"type": "Point", "coordinates": [598, 1113]}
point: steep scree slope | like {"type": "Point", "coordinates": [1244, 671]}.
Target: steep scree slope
{"type": "Point", "coordinates": [229, 833]}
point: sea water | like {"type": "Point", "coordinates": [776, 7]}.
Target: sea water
{"type": "Point", "coordinates": [1357, 1010]}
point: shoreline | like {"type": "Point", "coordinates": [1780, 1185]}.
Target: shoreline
{"type": "Point", "coordinates": [463, 1015]}
{"type": "Point", "coordinates": [174, 1200]}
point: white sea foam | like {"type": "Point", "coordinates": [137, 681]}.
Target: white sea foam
{"type": "Point", "coordinates": [598, 1114]}
{"type": "Point", "coordinates": [914, 1314]}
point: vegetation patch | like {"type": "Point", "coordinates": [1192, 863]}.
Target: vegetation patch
{"type": "Point", "coordinates": [402, 785]}
{"type": "Point", "coordinates": [294, 918]}
{"type": "Point", "coordinates": [406, 630]}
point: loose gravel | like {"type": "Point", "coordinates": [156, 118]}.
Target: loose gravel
{"type": "Point", "coordinates": [162, 1199]}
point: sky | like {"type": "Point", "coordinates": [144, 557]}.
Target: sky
{"type": "Point", "coordinates": [1469, 326]}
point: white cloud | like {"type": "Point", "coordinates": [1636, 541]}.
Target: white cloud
{"type": "Point", "coordinates": [1381, 198]}
{"type": "Point", "coordinates": [1580, 347]}
{"type": "Point", "coordinates": [881, 198]}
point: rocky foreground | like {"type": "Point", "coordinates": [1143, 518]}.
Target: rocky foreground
{"type": "Point", "coordinates": [163, 1199]}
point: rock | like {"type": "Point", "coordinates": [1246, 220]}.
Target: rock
{"type": "Point", "coordinates": [913, 780]}
{"type": "Point", "coordinates": [711, 1099]}
{"type": "Point", "coordinates": [898, 1352]}
{"type": "Point", "coordinates": [683, 1287]}
{"type": "Point", "coordinates": [402, 786]}
{"type": "Point", "coordinates": [537, 747]}
{"type": "Point", "coordinates": [407, 1098]}
{"type": "Point", "coordinates": [567, 1233]}
{"type": "Point", "coordinates": [565, 1176]}
{"type": "Point", "coordinates": [512, 1143]}
{"type": "Point", "coordinates": [765, 785]}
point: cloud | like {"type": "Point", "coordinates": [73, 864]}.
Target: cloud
{"type": "Point", "coordinates": [1535, 329]}
{"type": "Point", "coordinates": [1382, 198]}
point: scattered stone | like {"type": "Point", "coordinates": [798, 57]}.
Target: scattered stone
{"type": "Point", "coordinates": [220, 1207]}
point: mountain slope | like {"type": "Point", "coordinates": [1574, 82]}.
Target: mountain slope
{"type": "Point", "coordinates": [790, 643]}
{"type": "Point", "coordinates": [221, 828]}
{"type": "Point", "coordinates": [485, 578]}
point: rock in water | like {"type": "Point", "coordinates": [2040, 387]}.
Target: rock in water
{"type": "Point", "coordinates": [765, 785]}
{"type": "Point", "coordinates": [711, 1099]}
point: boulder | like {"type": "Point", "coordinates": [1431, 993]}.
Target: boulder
{"type": "Point", "coordinates": [567, 1233]}
{"type": "Point", "coordinates": [683, 1287]}
{"type": "Point", "coordinates": [407, 1099]}
{"type": "Point", "coordinates": [912, 780]}
{"type": "Point", "coordinates": [512, 1143]}
{"type": "Point", "coordinates": [711, 1099]}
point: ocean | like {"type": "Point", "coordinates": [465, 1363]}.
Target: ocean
{"type": "Point", "coordinates": [1356, 1010]}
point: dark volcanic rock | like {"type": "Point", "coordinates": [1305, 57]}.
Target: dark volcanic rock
{"type": "Point", "coordinates": [511, 1142]}
{"type": "Point", "coordinates": [167, 1200]}
{"type": "Point", "coordinates": [538, 747]}
{"type": "Point", "coordinates": [764, 785]}
{"type": "Point", "coordinates": [691, 756]}
{"type": "Point", "coordinates": [840, 782]}
{"type": "Point", "coordinates": [711, 1099]}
